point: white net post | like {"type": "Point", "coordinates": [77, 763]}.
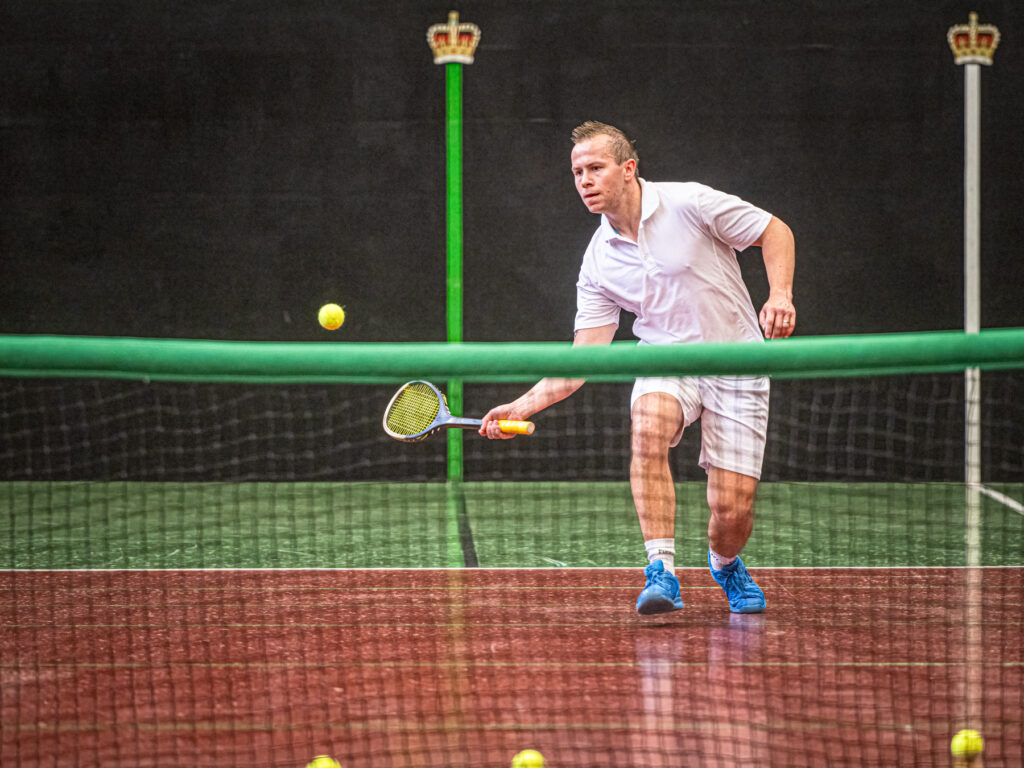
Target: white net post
{"type": "Point", "coordinates": [972, 307]}
{"type": "Point", "coordinates": [973, 45]}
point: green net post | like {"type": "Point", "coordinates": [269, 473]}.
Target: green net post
{"type": "Point", "coordinates": [453, 45]}
{"type": "Point", "coordinates": [453, 142]}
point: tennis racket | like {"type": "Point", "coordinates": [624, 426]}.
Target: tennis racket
{"type": "Point", "coordinates": [420, 409]}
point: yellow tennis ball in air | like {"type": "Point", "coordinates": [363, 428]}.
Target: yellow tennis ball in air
{"type": "Point", "coordinates": [528, 758]}
{"type": "Point", "coordinates": [323, 761]}
{"type": "Point", "coordinates": [331, 316]}
{"type": "Point", "coordinates": [967, 742]}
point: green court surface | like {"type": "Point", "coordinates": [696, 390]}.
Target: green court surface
{"type": "Point", "coordinates": [76, 525]}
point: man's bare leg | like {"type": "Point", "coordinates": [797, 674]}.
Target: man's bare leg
{"type": "Point", "coordinates": [731, 501]}
{"type": "Point", "coordinates": [656, 419]}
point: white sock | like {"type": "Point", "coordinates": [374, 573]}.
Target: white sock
{"type": "Point", "coordinates": [664, 550]}
{"type": "Point", "coordinates": [718, 562]}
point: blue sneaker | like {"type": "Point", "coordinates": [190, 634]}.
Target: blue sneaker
{"type": "Point", "coordinates": [661, 594]}
{"type": "Point", "coordinates": [744, 595]}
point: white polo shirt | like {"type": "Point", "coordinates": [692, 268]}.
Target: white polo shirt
{"type": "Point", "coordinates": [681, 279]}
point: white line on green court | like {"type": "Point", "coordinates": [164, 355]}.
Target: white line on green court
{"type": "Point", "coordinates": [1003, 499]}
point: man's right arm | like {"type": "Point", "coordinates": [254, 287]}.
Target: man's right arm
{"type": "Point", "coordinates": [545, 392]}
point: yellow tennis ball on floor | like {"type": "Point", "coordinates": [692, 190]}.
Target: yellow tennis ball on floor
{"type": "Point", "coordinates": [331, 316]}
{"type": "Point", "coordinates": [528, 758]}
{"type": "Point", "coordinates": [967, 742]}
{"type": "Point", "coordinates": [323, 761]}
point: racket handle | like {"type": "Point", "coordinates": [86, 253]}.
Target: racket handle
{"type": "Point", "coordinates": [516, 427]}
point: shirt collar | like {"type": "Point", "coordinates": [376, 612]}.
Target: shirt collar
{"type": "Point", "coordinates": [649, 202]}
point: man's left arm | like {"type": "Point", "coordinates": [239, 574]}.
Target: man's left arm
{"type": "Point", "coordinates": [778, 315]}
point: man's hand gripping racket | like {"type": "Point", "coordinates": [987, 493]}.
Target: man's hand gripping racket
{"type": "Point", "coordinates": [419, 409]}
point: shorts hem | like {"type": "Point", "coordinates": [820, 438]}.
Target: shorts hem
{"type": "Point", "coordinates": [706, 466]}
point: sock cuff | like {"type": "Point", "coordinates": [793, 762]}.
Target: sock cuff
{"type": "Point", "coordinates": [660, 547]}
{"type": "Point", "coordinates": [717, 561]}
{"type": "Point", "coordinates": [664, 550]}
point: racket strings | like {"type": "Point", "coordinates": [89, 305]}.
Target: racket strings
{"type": "Point", "coordinates": [413, 410]}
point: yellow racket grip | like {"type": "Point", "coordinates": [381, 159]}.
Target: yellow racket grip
{"type": "Point", "coordinates": [516, 427]}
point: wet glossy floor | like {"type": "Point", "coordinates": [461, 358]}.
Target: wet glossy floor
{"type": "Point", "coordinates": [464, 668]}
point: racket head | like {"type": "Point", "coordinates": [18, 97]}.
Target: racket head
{"type": "Point", "coordinates": [416, 410]}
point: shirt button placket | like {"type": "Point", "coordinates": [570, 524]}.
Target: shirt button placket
{"type": "Point", "coordinates": [641, 243]}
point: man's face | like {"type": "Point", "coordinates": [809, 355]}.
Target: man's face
{"type": "Point", "coordinates": [600, 181]}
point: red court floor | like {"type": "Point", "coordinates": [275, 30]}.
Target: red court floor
{"type": "Point", "coordinates": [433, 668]}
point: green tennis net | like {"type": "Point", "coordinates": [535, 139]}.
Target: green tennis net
{"type": "Point", "coordinates": [214, 555]}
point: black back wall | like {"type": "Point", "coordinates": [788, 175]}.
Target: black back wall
{"type": "Point", "coordinates": [219, 169]}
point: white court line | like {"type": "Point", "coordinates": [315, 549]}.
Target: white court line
{"type": "Point", "coordinates": [1003, 499]}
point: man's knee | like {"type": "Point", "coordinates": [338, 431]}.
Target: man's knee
{"type": "Point", "coordinates": [731, 496]}
{"type": "Point", "coordinates": [733, 512]}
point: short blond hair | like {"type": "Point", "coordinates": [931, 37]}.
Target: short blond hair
{"type": "Point", "coordinates": [622, 148]}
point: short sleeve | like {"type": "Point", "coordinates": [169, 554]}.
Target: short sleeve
{"type": "Point", "coordinates": [732, 220]}
{"type": "Point", "coordinates": [593, 307]}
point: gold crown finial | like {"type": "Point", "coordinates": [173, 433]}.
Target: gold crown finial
{"type": "Point", "coordinates": [453, 42]}
{"type": "Point", "coordinates": [973, 43]}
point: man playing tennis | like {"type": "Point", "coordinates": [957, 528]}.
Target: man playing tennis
{"type": "Point", "coordinates": [667, 253]}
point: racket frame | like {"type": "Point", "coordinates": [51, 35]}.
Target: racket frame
{"type": "Point", "coordinates": [443, 419]}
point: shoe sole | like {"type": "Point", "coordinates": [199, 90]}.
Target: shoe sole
{"type": "Point", "coordinates": [657, 605]}
{"type": "Point", "coordinates": [758, 608]}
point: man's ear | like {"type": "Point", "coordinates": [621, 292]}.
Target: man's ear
{"type": "Point", "coordinates": [630, 168]}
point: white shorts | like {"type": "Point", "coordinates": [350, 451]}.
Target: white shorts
{"type": "Point", "coordinates": [733, 412]}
